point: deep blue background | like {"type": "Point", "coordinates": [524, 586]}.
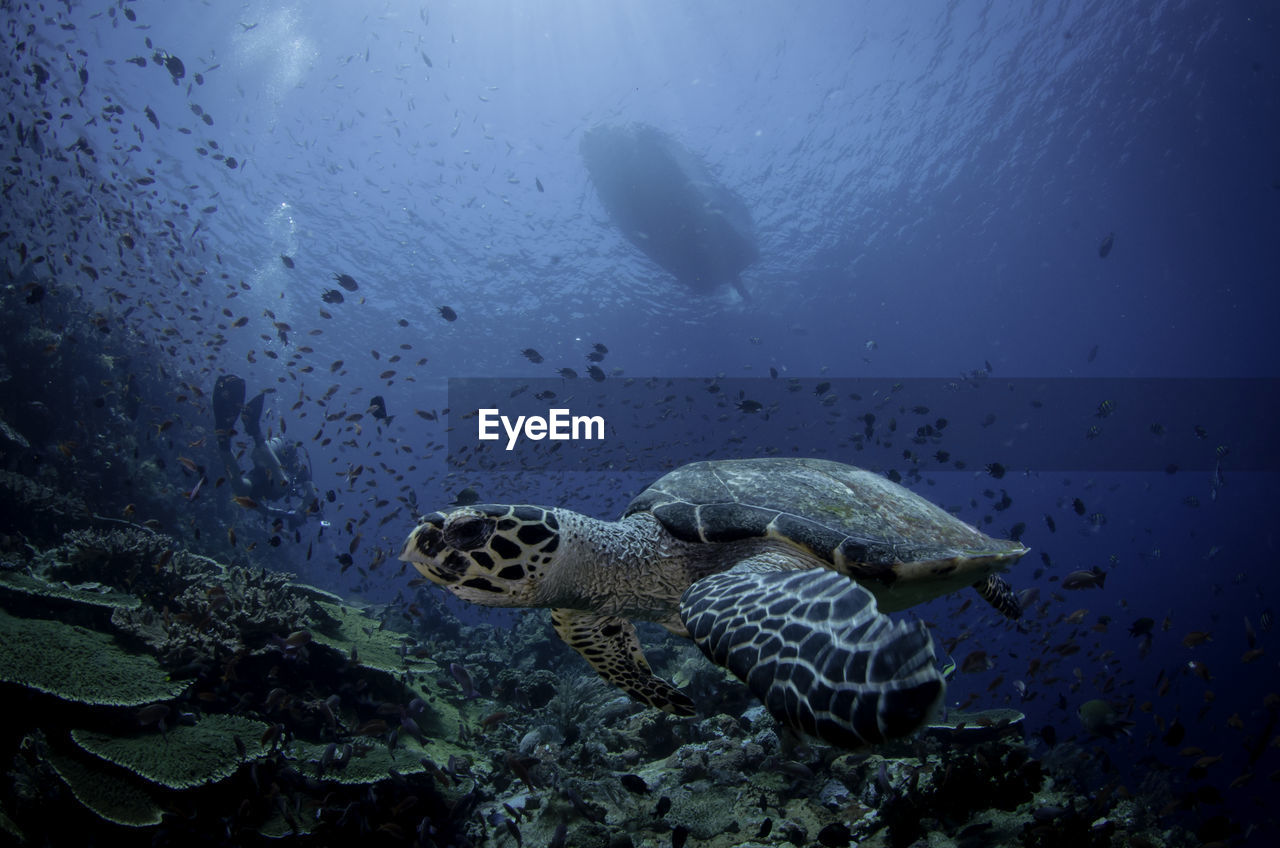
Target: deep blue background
{"type": "Point", "coordinates": [930, 183]}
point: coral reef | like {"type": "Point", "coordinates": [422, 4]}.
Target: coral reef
{"type": "Point", "coordinates": [165, 691]}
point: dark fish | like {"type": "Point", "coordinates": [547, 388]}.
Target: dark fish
{"type": "Point", "coordinates": [975, 661]}
{"type": "Point", "coordinates": [1049, 522]}
{"type": "Point", "coordinates": [662, 807]}
{"type": "Point", "coordinates": [152, 714]}
{"type": "Point", "coordinates": [546, 394]}
{"type": "Point", "coordinates": [1105, 408]}
{"type": "Point", "coordinates": [332, 296]}
{"type": "Point", "coordinates": [492, 720]}
{"type": "Point", "coordinates": [558, 838]}
{"type": "Point", "coordinates": [581, 806]}
{"type": "Point", "coordinates": [463, 678]}
{"type": "Point", "coordinates": [35, 293]}
{"type": "Point", "coordinates": [346, 281]}
{"type": "Point", "coordinates": [1049, 734]}
{"type": "Point", "coordinates": [151, 116]}
{"type": "Point", "coordinates": [1028, 596]}
{"type": "Point", "coordinates": [1196, 637]}
{"type": "Point", "coordinates": [514, 830]}
{"type": "Point", "coordinates": [599, 348]}
{"type": "Point", "coordinates": [1107, 243]}
{"type": "Point", "coordinates": [1078, 506]}
{"type": "Point", "coordinates": [1175, 734]}
{"type": "Point", "coordinates": [298, 638]}
{"type": "Point", "coordinates": [634, 783]}
{"type": "Point", "coordinates": [1100, 718]}
{"type": "Point", "coordinates": [1093, 354]}
{"type": "Point", "coordinates": [1142, 627]}
{"type": "Point", "coordinates": [466, 497]}
{"type": "Point", "coordinates": [746, 405]}
{"type": "Point", "coordinates": [1085, 579]}
{"type": "Point", "coordinates": [765, 827]}
{"type": "Point", "coordinates": [447, 313]}
{"type": "Point", "coordinates": [173, 65]}
{"type": "Point", "coordinates": [531, 355]}
{"type": "Point", "coordinates": [835, 835]}
{"type": "Point", "coordinates": [287, 260]}
{"type": "Point", "coordinates": [596, 373]}
{"type": "Point", "coordinates": [996, 470]}
{"type": "Point", "coordinates": [568, 373]}
{"type": "Point", "coordinates": [520, 767]}
{"type": "Point", "coordinates": [537, 182]}
{"type": "Point", "coordinates": [378, 408]}
{"type": "Point", "coordinates": [679, 834]}
{"type": "Point", "coordinates": [595, 356]}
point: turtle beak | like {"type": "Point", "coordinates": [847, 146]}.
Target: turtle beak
{"type": "Point", "coordinates": [433, 556]}
{"type": "Point", "coordinates": [425, 542]}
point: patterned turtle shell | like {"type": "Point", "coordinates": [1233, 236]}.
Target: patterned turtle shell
{"type": "Point", "coordinates": [857, 522]}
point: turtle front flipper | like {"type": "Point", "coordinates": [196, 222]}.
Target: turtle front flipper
{"type": "Point", "coordinates": [996, 591]}
{"type": "Point", "coordinates": [815, 649]}
{"type": "Point", "coordinates": [610, 644]}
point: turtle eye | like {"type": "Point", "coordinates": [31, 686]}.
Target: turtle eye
{"type": "Point", "coordinates": [468, 532]}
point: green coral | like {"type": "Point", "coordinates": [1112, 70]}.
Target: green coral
{"type": "Point", "coordinates": [373, 764]}
{"type": "Point", "coordinates": [380, 651]}
{"type": "Point", "coordinates": [183, 757]}
{"type": "Point", "coordinates": [707, 809]}
{"type": "Point", "coordinates": [106, 794]}
{"type": "Point", "coordinates": [90, 594]}
{"type": "Point", "coordinates": [23, 496]}
{"type": "Point", "coordinates": [78, 665]}
{"type": "Point", "coordinates": [375, 647]}
{"type": "Point", "coordinates": [279, 827]}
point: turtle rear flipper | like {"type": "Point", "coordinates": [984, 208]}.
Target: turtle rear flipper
{"type": "Point", "coordinates": [610, 644]}
{"type": "Point", "coordinates": [996, 591]}
{"type": "Point", "coordinates": [815, 649]}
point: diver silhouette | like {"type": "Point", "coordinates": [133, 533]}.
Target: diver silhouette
{"type": "Point", "coordinates": [281, 469]}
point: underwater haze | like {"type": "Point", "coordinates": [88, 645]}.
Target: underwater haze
{"type": "Point", "coordinates": [1019, 258]}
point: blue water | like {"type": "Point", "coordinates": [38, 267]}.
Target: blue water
{"type": "Point", "coordinates": [930, 186]}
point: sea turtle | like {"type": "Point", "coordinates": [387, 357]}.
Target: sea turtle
{"type": "Point", "coordinates": [750, 559]}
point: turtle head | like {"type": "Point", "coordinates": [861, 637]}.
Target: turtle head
{"type": "Point", "coordinates": [484, 553]}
